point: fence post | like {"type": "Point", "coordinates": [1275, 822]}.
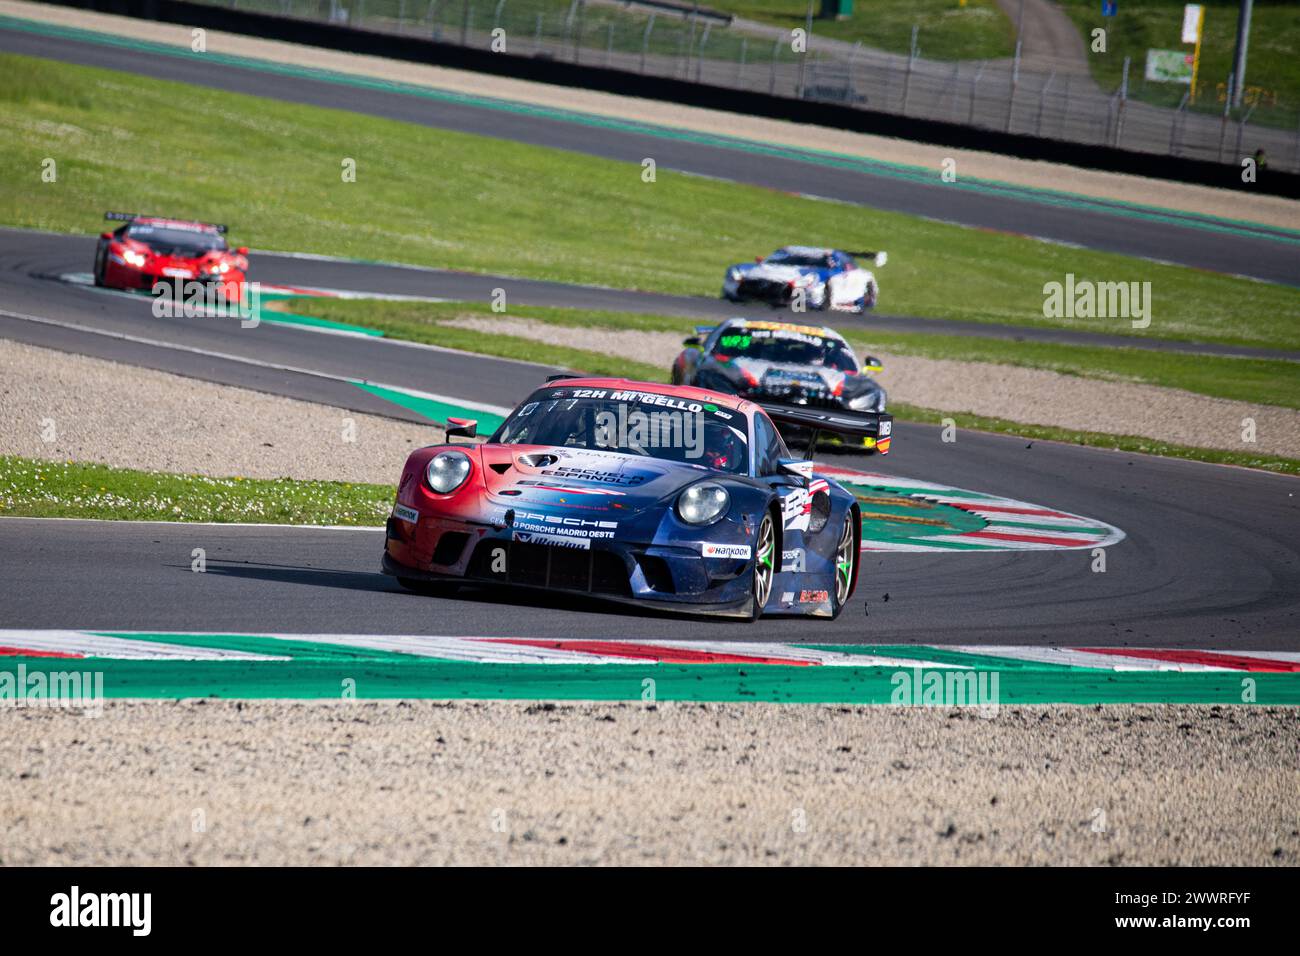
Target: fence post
{"type": "Point", "coordinates": [1123, 102]}
{"type": "Point", "coordinates": [1223, 124]}
{"type": "Point", "coordinates": [807, 44]}
{"type": "Point", "coordinates": [464, 23]}
{"type": "Point", "coordinates": [740, 65]}
{"type": "Point", "coordinates": [496, 14]}
{"type": "Point", "coordinates": [1042, 98]}
{"type": "Point", "coordinates": [401, 16]}
{"type": "Point", "coordinates": [699, 53]}
{"type": "Point", "coordinates": [1173, 126]}
{"type": "Point", "coordinates": [771, 82]}
{"type": "Point", "coordinates": [974, 83]}
{"type": "Point", "coordinates": [537, 37]}
{"type": "Point", "coordinates": [911, 58]}
{"type": "Point", "coordinates": [609, 44]}
{"type": "Point", "coordinates": [1015, 79]}
{"type": "Point", "coordinates": [577, 33]}
{"type": "Point", "coordinates": [645, 39]}
{"type": "Point", "coordinates": [1241, 128]}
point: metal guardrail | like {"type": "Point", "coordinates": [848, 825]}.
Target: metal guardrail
{"type": "Point", "coordinates": [993, 95]}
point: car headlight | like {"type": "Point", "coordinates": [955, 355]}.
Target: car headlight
{"type": "Point", "coordinates": [868, 402]}
{"type": "Point", "coordinates": [447, 471]}
{"type": "Point", "coordinates": [133, 257]}
{"type": "Point", "coordinates": [702, 503]}
{"type": "Point", "coordinates": [734, 275]}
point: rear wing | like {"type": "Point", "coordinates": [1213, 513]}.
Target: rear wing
{"type": "Point", "coordinates": [132, 216]}
{"type": "Point", "coordinates": [878, 258]}
{"type": "Point", "coordinates": [877, 425]}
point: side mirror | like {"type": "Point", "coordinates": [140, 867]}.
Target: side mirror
{"type": "Point", "coordinates": [758, 259]}
{"type": "Point", "coordinates": [106, 235]}
{"type": "Point", "coordinates": [461, 428]}
{"type": "Point", "coordinates": [881, 259]}
{"type": "Point", "coordinates": [692, 342]}
{"type": "Point", "coordinates": [798, 467]}
{"type": "Point", "coordinates": [242, 250]}
{"type": "Point", "coordinates": [872, 364]}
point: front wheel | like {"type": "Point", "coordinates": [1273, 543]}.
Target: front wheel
{"type": "Point", "coordinates": [764, 566]}
{"type": "Point", "coordinates": [846, 556]}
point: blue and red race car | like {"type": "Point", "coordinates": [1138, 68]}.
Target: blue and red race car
{"type": "Point", "coordinates": [673, 496]}
{"type": "Point", "coordinates": [146, 250]}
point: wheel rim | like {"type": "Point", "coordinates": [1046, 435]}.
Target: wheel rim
{"type": "Point", "coordinates": [763, 564]}
{"type": "Point", "coordinates": [844, 561]}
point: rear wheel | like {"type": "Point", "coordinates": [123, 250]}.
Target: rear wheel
{"type": "Point", "coordinates": [846, 556]}
{"type": "Point", "coordinates": [764, 565]}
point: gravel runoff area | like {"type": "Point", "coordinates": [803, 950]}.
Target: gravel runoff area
{"type": "Point", "coordinates": [1032, 396]}
{"type": "Point", "coordinates": [113, 414]}
{"type": "Point", "coordinates": [423, 782]}
{"type": "Point", "coordinates": [1268, 210]}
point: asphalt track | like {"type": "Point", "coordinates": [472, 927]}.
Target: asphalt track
{"type": "Point", "coordinates": [29, 260]}
{"type": "Point", "coordinates": [1259, 252]}
{"type": "Point", "coordinates": [1211, 557]}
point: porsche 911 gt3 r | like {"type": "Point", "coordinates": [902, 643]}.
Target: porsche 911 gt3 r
{"type": "Point", "coordinates": [677, 497]}
{"type": "Point", "coordinates": [146, 250]}
{"type": "Point", "coordinates": [819, 278]}
{"type": "Point", "coordinates": [782, 362]}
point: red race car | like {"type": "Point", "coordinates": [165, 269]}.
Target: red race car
{"type": "Point", "coordinates": [147, 249]}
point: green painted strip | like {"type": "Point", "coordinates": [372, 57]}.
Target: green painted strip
{"type": "Point", "coordinates": [435, 411]}
{"type": "Point", "coordinates": [905, 491]}
{"type": "Point", "coordinates": [291, 318]}
{"type": "Point", "coordinates": [820, 157]}
{"type": "Point", "coordinates": [273, 646]}
{"type": "Point", "coordinates": [422, 678]}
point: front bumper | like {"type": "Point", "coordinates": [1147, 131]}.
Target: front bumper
{"type": "Point", "coordinates": [669, 576]}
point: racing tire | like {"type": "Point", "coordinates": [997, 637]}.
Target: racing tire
{"type": "Point", "coordinates": [764, 566]}
{"type": "Point", "coordinates": [846, 556]}
{"type": "Point", "coordinates": [99, 268]}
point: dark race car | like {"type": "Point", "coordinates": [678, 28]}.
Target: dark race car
{"type": "Point", "coordinates": [147, 249]}
{"type": "Point", "coordinates": [779, 362]}
{"type": "Point", "coordinates": [677, 497]}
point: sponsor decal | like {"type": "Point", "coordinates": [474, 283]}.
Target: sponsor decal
{"type": "Point", "coordinates": [886, 429]}
{"type": "Point", "coordinates": [793, 560]}
{"type": "Point", "coordinates": [564, 525]}
{"type": "Point", "coordinates": [576, 473]}
{"type": "Point", "coordinates": [559, 540]}
{"type": "Point", "coordinates": [711, 550]}
{"type": "Point", "coordinates": [406, 514]}
{"type": "Point", "coordinates": [796, 509]}
{"type": "Point", "coordinates": [814, 597]}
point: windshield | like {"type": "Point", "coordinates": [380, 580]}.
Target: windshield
{"type": "Point", "coordinates": [785, 348]}
{"type": "Point", "coordinates": [634, 422]}
{"type": "Point", "coordinates": [176, 242]}
{"type": "Point", "coordinates": [782, 258]}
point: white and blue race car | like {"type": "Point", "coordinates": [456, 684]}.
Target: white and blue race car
{"type": "Point", "coordinates": [806, 277]}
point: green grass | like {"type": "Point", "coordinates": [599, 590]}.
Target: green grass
{"type": "Point", "coordinates": [1272, 76]}
{"type": "Point", "coordinates": [1243, 379]}
{"type": "Point", "coordinates": [1260, 381]}
{"type": "Point", "coordinates": [948, 31]}
{"type": "Point", "coordinates": [65, 489]}
{"type": "Point", "coordinates": [438, 198]}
